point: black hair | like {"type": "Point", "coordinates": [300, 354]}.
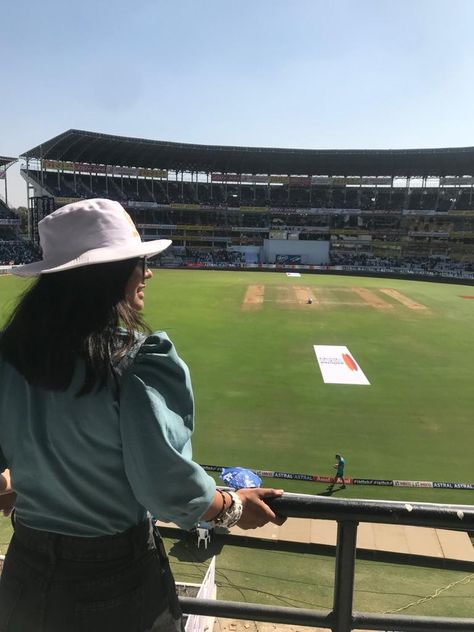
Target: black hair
{"type": "Point", "coordinates": [68, 315]}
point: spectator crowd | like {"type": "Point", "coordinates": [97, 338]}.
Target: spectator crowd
{"type": "Point", "coordinates": [420, 264]}
{"type": "Point", "coordinates": [18, 252]}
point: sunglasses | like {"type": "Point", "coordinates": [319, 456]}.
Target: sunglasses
{"type": "Point", "coordinates": [144, 262]}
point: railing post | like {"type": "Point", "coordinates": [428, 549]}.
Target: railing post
{"type": "Point", "coordinates": [344, 575]}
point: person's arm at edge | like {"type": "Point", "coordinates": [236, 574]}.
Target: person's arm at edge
{"type": "Point", "coordinates": [5, 482]}
{"type": "Point", "coordinates": [7, 495]}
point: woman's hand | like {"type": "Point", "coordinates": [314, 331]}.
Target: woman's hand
{"type": "Point", "coordinates": [256, 512]}
{"type": "Point", "coordinates": [7, 495]}
{"type": "Point", "coordinates": [5, 482]}
{"type": "Point", "coordinates": [7, 503]}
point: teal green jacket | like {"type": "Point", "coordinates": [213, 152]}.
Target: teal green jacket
{"type": "Point", "coordinates": [95, 465]}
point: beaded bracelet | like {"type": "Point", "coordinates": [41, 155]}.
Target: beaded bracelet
{"type": "Point", "coordinates": [222, 510]}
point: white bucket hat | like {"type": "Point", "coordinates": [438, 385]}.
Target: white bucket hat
{"type": "Point", "coordinates": [85, 233]}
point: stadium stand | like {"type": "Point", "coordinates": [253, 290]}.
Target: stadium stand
{"type": "Point", "coordinates": [13, 249]}
{"type": "Point", "coordinates": [5, 212]}
{"type": "Point", "coordinates": [408, 210]}
{"type": "Point", "coordinates": [15, 252]}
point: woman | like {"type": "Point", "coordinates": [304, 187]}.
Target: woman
{"type": "Point", "coordinates": [95, 425]}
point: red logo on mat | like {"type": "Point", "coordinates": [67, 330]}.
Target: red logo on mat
{"type": "Point", "coordinates": [349, 362]}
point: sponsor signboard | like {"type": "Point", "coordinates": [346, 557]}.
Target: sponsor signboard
{"type": "Point", "coordinates": [185, 207]}
{"type": "Point", "coordinates": [278, 180]}
{"type": "Point", "coordinates": [58, 165]}
{"type": "Point", "coordinates": [293, 477]}
{"type": "Point", "coordinates": [352, 181]}
{"type": "Point", "coordinates": [235, 178]}
{"type": "Point", "coordinates": [255, 179]}
{"type": "Point", "coordinates": [123, 171]}
{"type": "Point", "coordinates": [158, 226]}
{"type": "Point", "coordinates": [251, 229]}
{"type": "Point", "coordinates": [225, 177]}
{"type": "Point", "coordinates": [153, 173]}
{"type": "Point", "coordinates": [442, 485]}
{"type": "Point", "coordinates": [288, 259]}
{"type": "Point", "coordinates": [372, 481]}
{"type": "Point", "coordinates": [338, 366]}
{"type": "Point", "coordinates": [81, 167]}
{"type": "Point", "coordinates": [142, 205]}
{"type": "Point", "coordinates": [324, 479]}
{"type": "Point", "coordinates": [457, 181]}
{"type": "Point", "coordinates": [412, 484]}
{"type": "Point", "coordinates": [200, 227]}
{"type": "Point", "coordinates": [380, 482]}
{"type": "Point", "coordinates": [62, 201]}
{"type": "Point", "coordinates": [381, 181]}
{"type": "Point", "coordinates": [329, 211]}
{"type": "Point", "coordinates": [300, 181]}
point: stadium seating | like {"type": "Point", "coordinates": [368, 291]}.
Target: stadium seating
{"type": "Point", "coordinates": [5, 212]}
{"type": "Point", "coordinates": [175, 192]}
{"type": "Point", "coordinates": [406, 223]}
{"type": "Point", "coordinates": [18, 252]}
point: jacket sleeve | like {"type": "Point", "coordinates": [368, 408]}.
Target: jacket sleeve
{"type": "Point", "coordinates": [156, 423]}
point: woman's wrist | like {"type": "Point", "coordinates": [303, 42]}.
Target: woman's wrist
{"type": "Point", "coordinates": [231, 514]}
{"type": "Point", "coordinates": [225, 500]}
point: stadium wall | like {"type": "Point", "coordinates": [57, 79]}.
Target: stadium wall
{"type": "Point", "coordinates": [382, 273]}
{"type": "Point", "coordinates": [311, 252]}
{"type": "Point", "coordinates": [252, 254]}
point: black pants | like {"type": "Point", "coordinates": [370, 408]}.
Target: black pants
{"type": "Point", "coordinates": [119, 583]}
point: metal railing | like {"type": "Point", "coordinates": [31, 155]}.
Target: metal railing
{"type": "Point", "coordinates": [348, 513]}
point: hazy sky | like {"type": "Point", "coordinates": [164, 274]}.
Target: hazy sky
{"type": "Point", "coordinates": [275, 73]}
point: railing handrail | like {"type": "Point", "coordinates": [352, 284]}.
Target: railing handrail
{"type": "Point", "coordinates": [411, 513]}
{"type": "Point", "coordinates": [348, 513]}
{"type": "Point", "coordinates": [322, 618]}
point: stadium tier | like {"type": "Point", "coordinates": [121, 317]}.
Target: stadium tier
{"type": "Point", "coordinates": [236, 205]}
{"type": "Point", "coordinates": [12, 248]}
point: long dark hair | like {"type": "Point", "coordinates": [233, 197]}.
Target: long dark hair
{"type": "Point", "coordinates": [68, 315]}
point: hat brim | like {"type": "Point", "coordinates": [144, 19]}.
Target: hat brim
{"type": "Point", "coordinates": [98, 255]}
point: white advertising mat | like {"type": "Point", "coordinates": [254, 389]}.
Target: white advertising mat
{"type": "Point", "coordinates": [338, 365]}
{"type": "Point", "coordinates": [293, 274]}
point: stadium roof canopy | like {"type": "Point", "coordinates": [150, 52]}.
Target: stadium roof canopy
{"type": "Point", "coordinates": [4, 160]}
{"type": "Point", "coordinates": [91, 147]}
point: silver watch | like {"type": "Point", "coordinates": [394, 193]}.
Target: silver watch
{"type": "Point", "coordinates": [232, 514]}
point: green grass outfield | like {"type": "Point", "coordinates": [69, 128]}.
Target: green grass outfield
{"type": "Point", "coordinates": [261, 403]}
{"type": "Point", "coordinates": [260, 399]}
{"type": "Point", "coordinates": [283, 576]}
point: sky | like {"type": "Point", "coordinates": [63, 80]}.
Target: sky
{"type": "Point", "coordinates": [333, 74]}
